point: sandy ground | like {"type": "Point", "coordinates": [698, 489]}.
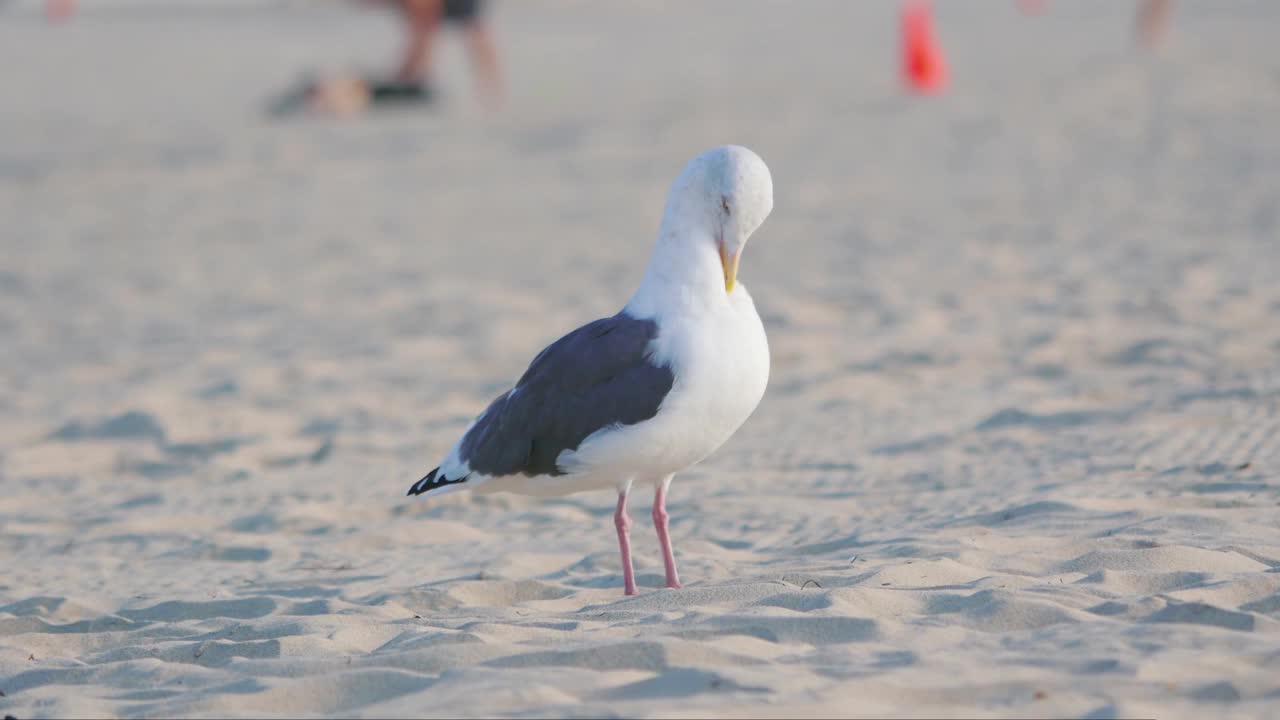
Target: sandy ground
{"type": "Point", "coordinates": [1020, 453]}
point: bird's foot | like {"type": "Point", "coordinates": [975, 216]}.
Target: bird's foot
{"type": "Point", "coordinates": [630, 591]}
{"type": "Point", "coordinates": [674, 584]}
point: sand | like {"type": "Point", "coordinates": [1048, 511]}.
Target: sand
{"type": "Point", "coordinates": [1019, 456]}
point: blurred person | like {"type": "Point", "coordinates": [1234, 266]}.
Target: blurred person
{"type": "Point", "coordinates": [411, 81]}
{"type": "Point", "coordinates": [1150, 24]}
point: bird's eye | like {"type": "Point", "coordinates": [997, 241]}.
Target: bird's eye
{"type": "Point", "coordinates": [724, 203]}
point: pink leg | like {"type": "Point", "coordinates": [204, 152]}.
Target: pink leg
{"type": "Point", "coordinates": [623, 523]}
{"type": "Point", "coordinates": [660, 524]}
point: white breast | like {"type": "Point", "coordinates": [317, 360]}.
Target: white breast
{"type": "Point", "coordinates": [720, 358]}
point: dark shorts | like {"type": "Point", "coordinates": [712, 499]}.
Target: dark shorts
{"type": "Point", "coordinates": [462, 11]}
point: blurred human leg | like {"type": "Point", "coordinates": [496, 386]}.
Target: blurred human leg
{"type": "Point", "coordinates": [484, 62]}
{"type": "Point", "coordinates": [422, 19]}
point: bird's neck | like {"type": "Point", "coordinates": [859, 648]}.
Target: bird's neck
{"type": "Point", "coordinates": [684, 274]}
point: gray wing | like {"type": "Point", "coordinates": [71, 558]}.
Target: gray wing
{"type": "Point", "coordinates": [596, 376]}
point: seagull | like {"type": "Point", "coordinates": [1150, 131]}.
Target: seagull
{"type": "Point", "coordinates": [646, 393]}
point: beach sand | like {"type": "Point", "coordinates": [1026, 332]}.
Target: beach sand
{"type": "Point", "coordinates": [1019, 455]}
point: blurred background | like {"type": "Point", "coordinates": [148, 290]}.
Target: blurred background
{"type": "Point", "coordinates": [352, 281]}
{"type": "Point", "coordinates": [161, 221]}
{"type": "Point", "coordinates": [255, 279]}
{"type": "Point", "coordinates": [267, 284]}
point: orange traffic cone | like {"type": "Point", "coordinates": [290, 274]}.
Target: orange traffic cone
{"type": "Point", "coordinates": [923, 68]}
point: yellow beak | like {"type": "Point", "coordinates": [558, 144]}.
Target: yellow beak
{"type": "Point", "coordinates": [730, 265]}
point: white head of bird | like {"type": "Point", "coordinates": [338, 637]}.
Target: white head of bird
{"type": "Point", "coordinates": [717, 202]}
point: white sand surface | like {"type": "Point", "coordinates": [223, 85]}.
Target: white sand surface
{"type": "Point", "coordinates": [1020, 453]}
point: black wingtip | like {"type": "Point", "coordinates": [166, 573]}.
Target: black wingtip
{"type": "Point", "coordinates": [433, 481]}
{"type": "Point", "coordinates": [424, 484]}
